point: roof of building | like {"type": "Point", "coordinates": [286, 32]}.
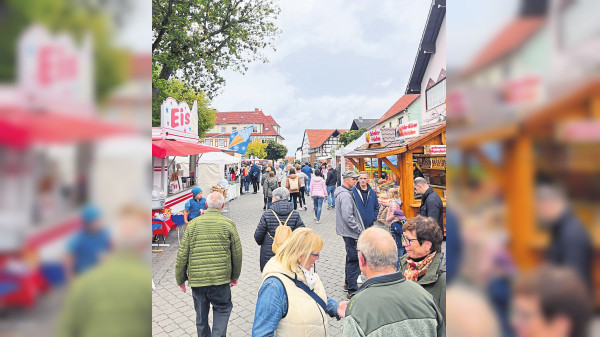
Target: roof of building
{"type": "Point", "coordinates": [316, 137]}
{"type": "Point", "coordinates": [249, 117]}
{"type": "Point", "coordinates": [509, 39]}
{"type": "Point", "coordinates": [400, 105]}
{"type": "Point", "coordinates": [362, 123]}
{"type": "Point", "coordinates": [437, 12]}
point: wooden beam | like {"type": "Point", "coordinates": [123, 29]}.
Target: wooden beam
{"type": "Point", "coordinates": [443, 138]}
{"type": "Point", "coordinates": [486, 136]}
{"type": "Point", "coordinates": [427, 137]}
{"type": "Point", "coordinates": [489, 165]}
{"type": "Point", "coordinates": [393, 152]}
{"type": "Point", "coordinates": [595, 107]}
{"type": "Point", "coordinates": [392, 167]}
{"type": "Point", "coordinates": [520, 200]}
{"type": "Point", "coordinates": [406, 184]}
{"type": "Point", "coordinates": [353, 163]}
{"type": "Point", "coordinates": [361, 162]}
{"type": "Point", "coordinates": [379, 164]}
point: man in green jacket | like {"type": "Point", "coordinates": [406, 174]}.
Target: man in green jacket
{"type": "Point", "coordinates": [387, 304]}
{"type": "Point", "coordinates": [210, 259]}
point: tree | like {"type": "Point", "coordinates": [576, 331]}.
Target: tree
{"type": "Point", "coordinates": [181, 92]}
{"type": "Point", "coordinates": [75, 17]}
{"type": "Point", "coordinates": [257, 149]}
{"type": "Point", "coordinates": [275, 151]}
{"type": "Point", "coordinates": [351, 135]}
{"type": "Point", "coordinates": [198, 39]}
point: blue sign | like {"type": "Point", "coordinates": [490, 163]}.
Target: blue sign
{"type": "Point", "coordinates": [238, 141]}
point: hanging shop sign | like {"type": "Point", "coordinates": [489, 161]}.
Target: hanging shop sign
{"type": "Point", "coordinates": [407, 130]}
{"type": "Point", "coordinates": [179, 117]}
{"type": "Point", "coordinates": [434, 149]}
{"type": "Point", "coordinates": [373, 136]}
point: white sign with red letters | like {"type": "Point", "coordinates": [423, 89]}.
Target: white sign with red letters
{"type": "Point", "coordinates": [179, 117]}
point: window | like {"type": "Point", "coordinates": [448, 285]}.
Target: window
{"type": "Point", "coordinates": [400, 120]}
{"type": "Point", "coordinates": [221, 142]}
{"type": "Point", "coordinates": [390, 124]}
{"type": "Point", "coordinates": [267, 129]}
{"type": "Point", "coordinates": [436, 95]}
{"type": "Point", "coordinates": [233, 128]}
{"type": "Point", "coordinates": [254, 128]}
{"type": "Point", "coordinates": [223, 129]}
{"type": "Point", "coordinates": [207, 142]}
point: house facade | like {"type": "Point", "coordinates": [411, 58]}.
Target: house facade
{"type": "Point", "coordinates": [407, 108]}
{"type": "Point", "coordinates": [318, 144]}
{"type": "Point", "coordinates": [264, 127]}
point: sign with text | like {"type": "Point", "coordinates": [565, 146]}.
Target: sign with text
{"type": "Point", "coordinates": [407, 130]}
{"type": "Point", "coordinates": [373, 136]}
{"type": "Point", "coordinates": [435, 149]}
{"type": "Point", "coordinates": [177, 116]}
{"type": "Point", "coordinates": [238, 141]}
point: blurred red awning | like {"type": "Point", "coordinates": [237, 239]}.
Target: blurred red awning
{"type": "Point", "coordinates": [163, 148]}
{"type": "Point", "coordinates": [20, 128]}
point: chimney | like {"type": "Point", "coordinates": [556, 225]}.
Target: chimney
{"type": "Point", "coordinates": [255, 109]}
{"type": "Point", "coordinates": [360, 118]}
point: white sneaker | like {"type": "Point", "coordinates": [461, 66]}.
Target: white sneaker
{"type": "Point", "coordinates": [318, 221]}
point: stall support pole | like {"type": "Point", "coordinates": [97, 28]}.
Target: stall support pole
{"type": "Point", "coordinates": [408, 194]}
{"type": "Point", "coordinates": [162, 174]}
{"type": "Point", "coordinates": [379, 162]}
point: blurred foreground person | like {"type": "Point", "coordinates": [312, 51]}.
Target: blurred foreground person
{"type": "Point", "coordinates": [469, 313]}
{"type": "Point", "coordinates": [292, 300]}
{"type": "Point", "coordinates": [280, 213]}
{"type": "Point", "coordinates": [210, 259]}
{"type": "Point", "coordinates": [387, 304]}
{"type": "Point", "coordinates": [86, 248]}
{"type": "Point", "coordinates": [551, 302]}
{"type": "Point", "coordinates": [424, 262]}
{"type": "Point", "coordinates": [570, 244]}
{"type": "Point", "coordinates": [114, 299]}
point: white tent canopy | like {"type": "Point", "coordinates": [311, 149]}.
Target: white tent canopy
{"type": "Point", "coordinates": [217, 158]}
{"type": "Point", "coordinates": [339, 154]}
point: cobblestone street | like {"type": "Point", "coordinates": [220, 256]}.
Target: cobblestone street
{"type": "Point", "coordinates": [173, 311]}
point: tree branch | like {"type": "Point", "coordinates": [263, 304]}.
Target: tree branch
{"type": "Point", "coordinates": [163, 27]}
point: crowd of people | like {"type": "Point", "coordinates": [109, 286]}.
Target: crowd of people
{"type": "Point", "coordinates": [292, 300]}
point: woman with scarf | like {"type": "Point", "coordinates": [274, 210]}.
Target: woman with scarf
{"type": "Point", "coordinates": [424, 261]}
{"type": "Point", "coordinates": [292, 300]}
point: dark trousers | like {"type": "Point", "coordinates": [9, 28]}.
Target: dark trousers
{"type": "Point", "coordinates": [255, 184]}
{"type": "Point", "coordinates": [296, 199]}
{"type": "Point", "coordinates": [302, 199]}
{"type": "Point", "coordinates": [352, 267]}
{"type": "Point", "coordinates": [241, 185]}
{"type": "Point", "coordinates": [220, 298]}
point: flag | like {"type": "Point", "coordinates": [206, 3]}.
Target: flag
{"type": "Point", "coordinates": [238, 141]}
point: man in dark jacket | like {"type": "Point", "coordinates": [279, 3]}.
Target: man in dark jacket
{"type": "Point", "coordinates": [570, 242]}
{"type": "Point", "coordinates": [431, 203]}
{"type": "Point", "coordinates": [331, 182]}
{"type": "Point", "coordinates": [254, 175]}
{"type": "Point", "coordinates": [308, 171]}
{"type": "Point", "coordinates": [366, 200]}
{"type": "Point", "coordinates": [269, 221]}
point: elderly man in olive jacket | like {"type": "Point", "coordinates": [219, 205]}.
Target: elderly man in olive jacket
{"type": "Point", "coordinates": [210, 259]}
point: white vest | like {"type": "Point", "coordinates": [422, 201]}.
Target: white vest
{"type": "Point", "coordinates": [305, 317]}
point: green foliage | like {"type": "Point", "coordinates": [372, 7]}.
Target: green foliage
{"type": "Point", "coordinates": [76, 18]}
{"type": "Point", "coordinates": [275, 151]}
{"type": "Point", "coordinates": [257, 149]}
{"type": "Point", "coordinates": [181, 92]}
{"type": "Point", "coordinates": [351, 135]}
{"type": "Point", "coordinates": [198, 39]}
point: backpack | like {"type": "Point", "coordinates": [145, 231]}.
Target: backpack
{"type": "Point", "coordinates": [255, 173]}
{"type": "Point", "coordinates": [282, 233]}
{"type": "Point", "coordinates": [294, 184]}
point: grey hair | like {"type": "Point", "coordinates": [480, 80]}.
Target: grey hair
{"type": "Point", "coordinates": [378, 247]}
{"type": "Point", "coordinates": [281, 193]}
{"type": "Point", "coordinates": [420, 181]}
{"type": "Point", "coordinates": [215, 200]}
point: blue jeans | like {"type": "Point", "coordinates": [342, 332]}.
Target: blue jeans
{"type": "Point", "coordinates": [220, 298]}
{"type": "Point", "coordinates": [318, 204]}
{"type": "Point", "coordinates": [352, 267]}
{"type": "Point", "coordinates": [247, 184]}
{"type": "Point", "coordinates": [330, 197]}
{"type": "Point", "coordinates": [269, 200]}
{"type": "Point", "coordinates": [307, 185]}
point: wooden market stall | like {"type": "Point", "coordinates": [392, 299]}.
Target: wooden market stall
{"type": "Point", "coordinates": [556, 141]}
{"type": "Point", "coordinates": [408, 151]}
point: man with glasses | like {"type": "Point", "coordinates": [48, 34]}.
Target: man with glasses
{"type": "Point", "coordinates": [424, 261]}
{"type": "Point", "coordinates": [349, 225]}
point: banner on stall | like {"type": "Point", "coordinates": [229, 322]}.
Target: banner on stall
{"type": "Point", "coordinates": [373, 136]}
{"type": "Point", "coordinates": [434, 149]}
{"type": "Point", "coordinates": [179, 117]}
{"type": "Point", "coordinates": [407, 130]}
{"type": "Point", "coordinates": [238, 141]}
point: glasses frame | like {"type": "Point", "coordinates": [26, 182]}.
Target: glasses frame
{"type": "Point", "coordinates": [315, 255]}
{"type": "Point", "coordinates": [404, 239]}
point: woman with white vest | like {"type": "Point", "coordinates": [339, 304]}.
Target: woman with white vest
{"type": "Point", "coordinates": [292, 300]}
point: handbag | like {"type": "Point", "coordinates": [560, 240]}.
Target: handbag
{"type": "Point", "coordinates": [311, 293]}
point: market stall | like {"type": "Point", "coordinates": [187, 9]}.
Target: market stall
{"type": "Point", "coordinates": [409, 144]}
{"type": "Point", "coordinates": [211, 169]}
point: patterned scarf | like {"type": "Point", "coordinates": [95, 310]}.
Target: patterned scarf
{"type": "Point", "coordinates": [417, 269]}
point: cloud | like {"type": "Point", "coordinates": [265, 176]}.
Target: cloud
{"type": "Point", "coordinates": [335, 60]}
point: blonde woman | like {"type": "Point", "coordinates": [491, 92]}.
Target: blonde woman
{"type": "Point", "coordinates": [288, 299]}
{"type": "Point", "coordinates": [395, 218]}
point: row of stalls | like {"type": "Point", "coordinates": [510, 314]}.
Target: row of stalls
{"type": "Point", "coordinates": [402, 156]}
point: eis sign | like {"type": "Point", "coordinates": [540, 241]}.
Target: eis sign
{"type": "Point", "coordinates": [407, 130]}
{"type": "Point", "coordinates": [177, 116]}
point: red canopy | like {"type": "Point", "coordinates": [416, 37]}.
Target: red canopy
{"type": "Point", "coordinates": [20, 128]}
{"type": "Point", "coordinates": [163, 148]}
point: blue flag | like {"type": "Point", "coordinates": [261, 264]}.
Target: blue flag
{"type": "Point", "coordinates": [238, 141]}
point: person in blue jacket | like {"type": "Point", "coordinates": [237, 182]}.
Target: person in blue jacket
{"type": "Point", "coordinates": [308, 171]}
{"type": "Point", "coordinates": [254, 177]}
{"type": "Point", "coordinates": [366, 200]}
{"type": "Point", "coordinates": [195, 206]}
